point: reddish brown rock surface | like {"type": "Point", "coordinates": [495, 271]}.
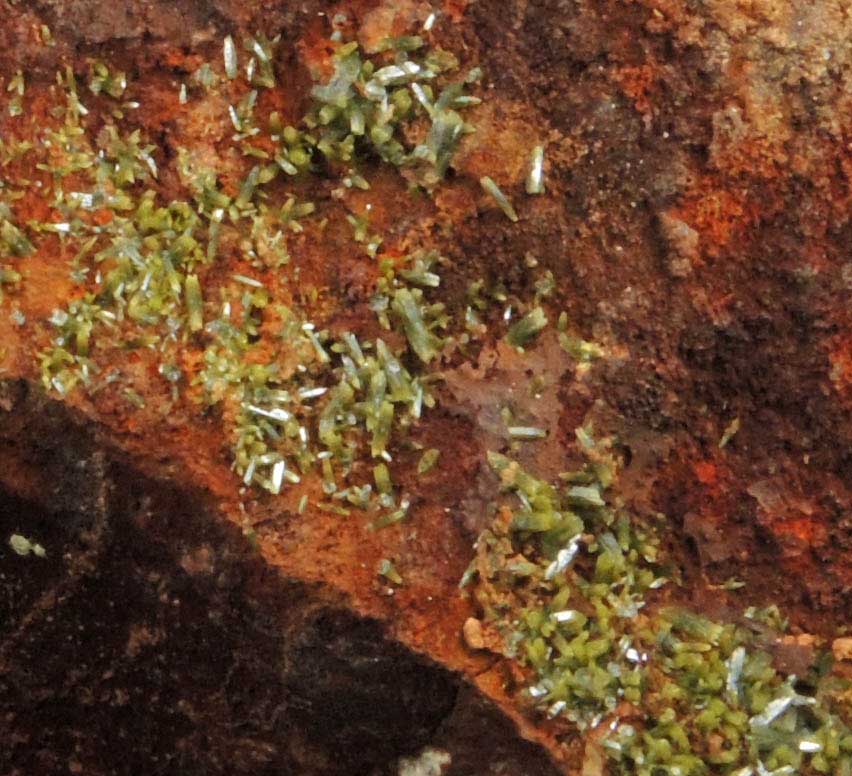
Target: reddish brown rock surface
{"type": "Point", "coordinates": [696, 222]}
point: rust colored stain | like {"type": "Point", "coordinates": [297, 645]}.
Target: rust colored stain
{"type": "Point", "coordinates": [639, 84]}
{"type": "Point", "coordinates": [810, 531]}
{"type": "Point", "coordinates": [316, 49]}
{"type": "Point", "coordinates": [721, 215]}
{"type": "Point", "coordinates": [705, 471]}
{"type": "Point", "coordinates": [841, 367]}
{"type": "Point", "coordinates": [455, 9]}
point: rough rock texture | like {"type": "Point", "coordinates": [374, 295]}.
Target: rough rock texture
{"type": "Point", "coordinates": [153, 637]}
{"type": "Point", "coordinates": [696, 221]}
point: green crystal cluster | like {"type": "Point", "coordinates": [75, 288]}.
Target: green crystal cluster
{"type": "Point", "coordinates": [296, 398]}
{"type": "Point", "coordinates": [574, 585]}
